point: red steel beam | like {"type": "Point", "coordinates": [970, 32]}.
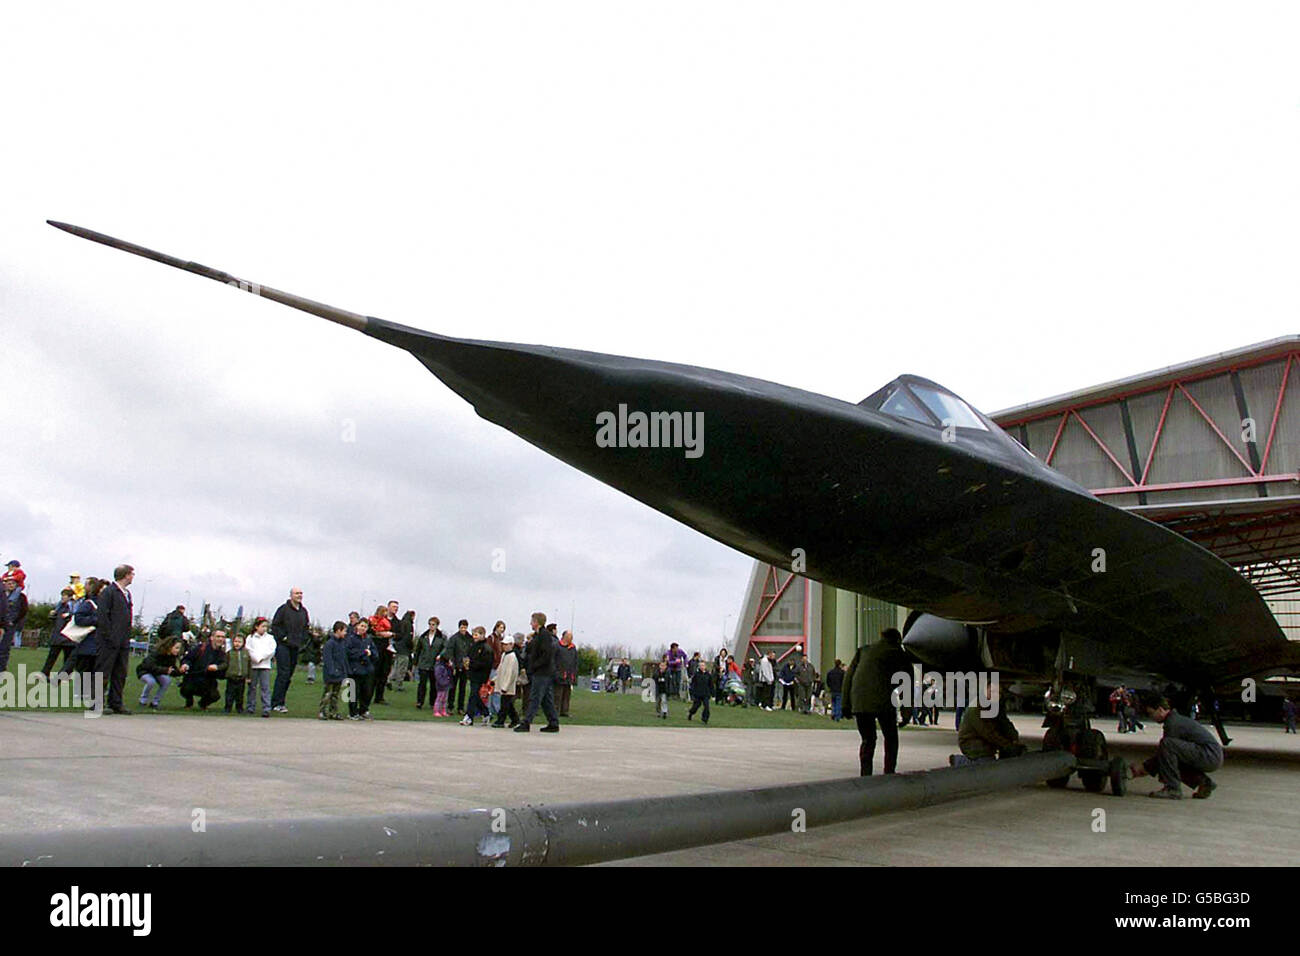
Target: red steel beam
{"type": "Point", "coordinates": [1155, 439]}
{"type": "Point", "coordinates": [1277, 411]}
{"type": "Point", "coordinates": [1102, 445]}
{"type": "Point", "coordinates": [1210, 421]}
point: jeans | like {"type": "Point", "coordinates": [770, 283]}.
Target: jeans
{"type": "Point", "coordinates": [286, 659]}
{"type": "Point", "coordinates": [259, 680]}
{"type": "Point", "coordinates": [835, 707]}
{"type": "Point", "coordinates": [475, 707]}
{"type": "Point", "coordinates": [1181, 760]}
{"type": "Point", "coordinates": [541, 693]}
{"type": "Point", "coordinates": [888, 721]}
{"type": "Point", "coordinates": [661, 705]}
{"type": "Point", "coordinates": [155, 685]}
{"type": "Point", "coordinates": [6, 643]}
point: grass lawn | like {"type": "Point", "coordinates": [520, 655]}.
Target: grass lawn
{"type": "Point", "coordinates": [586, 708]}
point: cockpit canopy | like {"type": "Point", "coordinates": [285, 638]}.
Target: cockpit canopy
{"type": "Point", "coordinates": [920, 400]}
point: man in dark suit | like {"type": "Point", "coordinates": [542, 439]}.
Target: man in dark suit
{"type": "Point", "coordinates": [113, 633]}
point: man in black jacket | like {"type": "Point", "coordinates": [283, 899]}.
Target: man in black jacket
{"type": "Point", "coordinates": [456, 652]}
{"type": "Point", "coordinates": [868, 696]}
{"type": "Point", "coordinates": [428, 648]}
{"type": "Point", "coordinates": [113, 636]}
{"type": "Point", "coordinates": [289, 625]}
{"type": "Point", "coordinates": [479, 667]}
{"type": "Point", "coordinates": [701, 689]}
{"type": "Point", "coordinates": [541, 678]}
{"type": "Point", "coordinates": [835, 684]}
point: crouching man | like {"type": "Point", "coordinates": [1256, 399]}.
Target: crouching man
{"type": "Point", "coordinates": [1186, 752]}
{"type": "Point", "coordinates": [986, 738]}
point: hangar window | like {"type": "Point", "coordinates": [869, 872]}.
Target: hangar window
{"type": "Point", "coordinates": [948, 408]}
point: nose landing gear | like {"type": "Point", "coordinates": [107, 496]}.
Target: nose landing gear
{"type": "Point", "coordinates": [1068, 709]}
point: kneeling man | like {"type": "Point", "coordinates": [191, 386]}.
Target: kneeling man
{"type": "Point", "coordinates": [986, 738]}
{"type": "Point", "coordinates": [1186, 752]}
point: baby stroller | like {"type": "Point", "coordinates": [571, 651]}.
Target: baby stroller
{"type": "Point", "coordinates": [734, 689]}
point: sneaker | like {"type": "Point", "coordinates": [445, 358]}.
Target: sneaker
{"type": "Point", "coordinates": [354, 716]}
{"type": "Point", "coordinates": [486, 721]}
{"type": "Point", "coordinates": [367, 716]}
{"type": "Point", "coordinates": [419, 707]}
{"type": "Point", "coordinates": [522, 729]}
{"type": "Point", "coordinates": [467, 721]}
{"type": "Point", "coordinates": [1206, 788]}
{"type": "Point", "coordinates": [337, 717]}
{"type": "Point", "coordinates": [321, 716]}
{"type": "Point", "coordinates": [154, 705]}
{"type": "Point", "coordinates": [551, 729]}
{"type": "Point", "coordinates": [279, 710]}
{"type": "Point", "coordinates": [1167, 793]}
{"type": "Point", "coordinates": [266, 713]}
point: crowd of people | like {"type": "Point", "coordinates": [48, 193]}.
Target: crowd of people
{"type": "Point", "coordinates": [492, 678]}
{"type": "Point", "coordinates": [499, 679]}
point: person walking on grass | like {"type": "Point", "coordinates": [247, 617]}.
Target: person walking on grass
{"type": "Point", "coordinates": [701, 691]}
{"type": "Point", "coordinates": [663, 687]}
{"type": "Point", "coordinates": [541, 678]}
{"type": "Point", "coordinates": [58, 643]}
{"type": "Point", "coordinates": [261, 651]}
{"type": "Point", "coordinates": [478, 664]}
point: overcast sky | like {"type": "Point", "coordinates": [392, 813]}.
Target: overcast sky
{"type": "Point", "coordinates": [1014, 199]}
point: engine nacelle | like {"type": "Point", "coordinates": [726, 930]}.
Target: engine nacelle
{"type": "Point", "coordinates": [941, 644]}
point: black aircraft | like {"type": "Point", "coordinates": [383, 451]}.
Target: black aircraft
{"type": "Point", "coordinates": [910, 496]}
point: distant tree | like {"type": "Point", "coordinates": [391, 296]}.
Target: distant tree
{"type": "Point", "coordinates": [39, 616]}
{"type": "Point", "coordinates": [590, 660]}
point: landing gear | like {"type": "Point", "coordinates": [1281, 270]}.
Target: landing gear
{"type": "Point", "coordinates": [1068, 726]}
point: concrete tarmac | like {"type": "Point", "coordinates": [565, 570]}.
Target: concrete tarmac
{"type": "Point", "coordinates": [65, 771]}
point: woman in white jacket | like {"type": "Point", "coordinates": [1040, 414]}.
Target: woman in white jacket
{"type": "Point", "coordinates": [261, 651]}
{"type": "Point", "coordinates": [507, 681]}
